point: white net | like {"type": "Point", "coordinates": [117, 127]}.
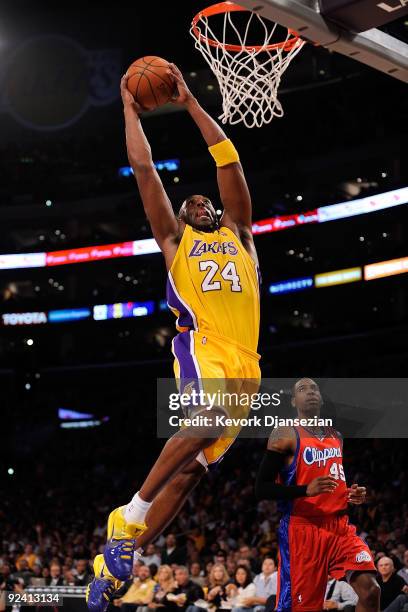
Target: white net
{"type": "Point", "coordinates": [248, 76]}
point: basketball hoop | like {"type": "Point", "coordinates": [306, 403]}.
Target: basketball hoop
{"type": "Point", "coordinates": [248, 75]}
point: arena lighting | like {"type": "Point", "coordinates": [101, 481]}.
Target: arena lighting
{"type": "Point", "coordinates": [101, 312]}
{"type": "Point", "coordinates": [386, 268]}
{"type": "Point", "coordinates": [338, 277]}
{"type": "Point", "coordinates": [288, 286]}
{"type": "Point", "coordinates": [149, 245]}
{"type": "Point", "coordinates": [274, 224]}
{"type": "Point", "coordinates": [168, 164]}
{"type": "Point", "coordinates": [171, 165]}
{"type": "Point", "coordinates": [24, 318]}
{"type": "Point", "coordinates": [22, 260]}
{"type": "Point", "coordinates": [122, 310]}
{"type": "Point", "coordinates": [71, 314]}
{"type": "Point", "coordinates": [363, 206]}
{"type": "Point", "coordinates": [105, 251]}
{"type": "Point", "coordinates": [65, 414]}
{"type": "Point", "coordinates": [145, 247]}
{"type": "Point", "coordinates": [80, 424]}
{"type": "Point", "coordinates": [72, 419]}
{"type": "Point", "coordinates": [81, 255]}
{"type": "Point", "coordinates": [85, 254]}
{"type": "Point", "coordinates": [333, 212]}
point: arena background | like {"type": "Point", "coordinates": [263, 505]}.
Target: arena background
{"type": "Point", "coordinates": [61, 187]}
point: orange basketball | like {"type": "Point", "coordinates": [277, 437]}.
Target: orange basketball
{"type": "Point", "coordinates": [149, 82]}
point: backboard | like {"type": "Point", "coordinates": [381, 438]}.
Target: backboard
{"type": "Point", "coordinates": [373, 47]}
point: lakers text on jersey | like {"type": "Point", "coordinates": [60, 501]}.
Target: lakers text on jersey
{"type": "Point", "coordinates": [213, 286]}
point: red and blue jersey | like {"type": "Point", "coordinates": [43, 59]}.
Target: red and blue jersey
{"type": "Point", "coordinates": [315, 457]}
{"type": "Point", "coordinates": [315, 537]}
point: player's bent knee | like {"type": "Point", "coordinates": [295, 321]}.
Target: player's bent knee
{"type": "Point", "coordinates": [204, 430]}
{"type": "Point", "coordinates": [373, 595]}
{"type": "Point", "coordinates": [194, 467]}
{"type": "Point", "coordinates": [189, 477]}
{"type": "Point", "coordinates": [193, 443]}
{"type": "Point", "coordinates": [368, 590]}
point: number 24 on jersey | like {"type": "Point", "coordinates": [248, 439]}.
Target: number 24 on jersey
{"type": "Point", "coordinates": [228, 273]}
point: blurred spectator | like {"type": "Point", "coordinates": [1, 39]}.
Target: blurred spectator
{"type": "Point", "coordinates": [186, 592]}
{"type": "Point", "coordinates": [241, 590]}
{"type": "Point", "coordinates": [339, 596]}
{"type": "Point", "coordinates": [231, 566]}
{"type": "Point", "coordinates": [222, 509]}
{"type": "Point", "coordinates": [265, 586]}
{"type": "Point", "coordinates": [151, 556]}
{"type": "Point", "coordinates": [400, 604]}
{"type": "Point", "coordinates": [37, 577]}
{"type": "Point", "coordinates": [55, 578]}
{"type": "Point", "coordinates": [404, 571]}
{"type": "Point", "coordinates": [197, 538]}
{"type": "Point", "coordinates": [69, 562]}
{"type": "Point", "coordinates": [138, 592]}
{"type": "Point", "coordinates": [197, 575]}
{"type": "Point", "coordinates": [245, 553]}
{"type": "Point", "coordinates": [82, 575]}
{"type": "Point", "coordinates": [220, 557]}
{"type": "Point", "coordinates": [172, 553]}
{"type": "Point", "coordinates": [390, 583]}
{"type": "Point", "coordinates": [24, 573]}
{"type": "Point", "coordinates": [165, 584]}
{"type": "Point", "coordinates": [6, 582]}
{"type": "Point", "coordinates": [137, 564]}
{"type": "Point", "coordinates": [208, 567]}
{"type": "Point", "coordinates": [29, 556]}
{"type": "Point", "coordinates": [217, 582]}
{"type": "Point", "coordinates": [153, 570]}
{"type": "Point", "coordinates": [69, 578]}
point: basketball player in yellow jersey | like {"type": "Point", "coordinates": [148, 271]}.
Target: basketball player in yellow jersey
{"type": "Point", "coordinates": [214, 292]}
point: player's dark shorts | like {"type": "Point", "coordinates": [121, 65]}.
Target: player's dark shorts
{"type": "Point", "coordinates": [311, 549]}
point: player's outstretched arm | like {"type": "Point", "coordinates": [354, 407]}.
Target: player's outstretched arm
{"type": "Point", "coordinates": [156, 203]}
{"type": "Point", "coordinates": [230, 176]}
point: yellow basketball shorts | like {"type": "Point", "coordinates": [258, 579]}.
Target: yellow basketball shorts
{"type": "Point", "coordinates": [217, 365]}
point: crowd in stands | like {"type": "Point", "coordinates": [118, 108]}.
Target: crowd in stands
{"type": "Point", "coordinates": [220, 552]}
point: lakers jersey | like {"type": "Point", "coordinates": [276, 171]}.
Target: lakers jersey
{"type": "Point", "coordinates": [213, 286]}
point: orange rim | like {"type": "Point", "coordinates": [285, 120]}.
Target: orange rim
{"type": "Point", "coordinates": [230, 7]}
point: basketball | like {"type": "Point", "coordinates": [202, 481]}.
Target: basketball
{"type": "Point", "coordinates": [149, 82]}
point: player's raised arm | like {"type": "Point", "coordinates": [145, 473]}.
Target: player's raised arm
{"type": "Point", "coordinates": [156, 203]}
{"type": "Point", "coordinates": [231, 180]}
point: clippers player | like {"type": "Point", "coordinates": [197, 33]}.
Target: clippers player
{"type": "Point", "coordinates": [303, 469]}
